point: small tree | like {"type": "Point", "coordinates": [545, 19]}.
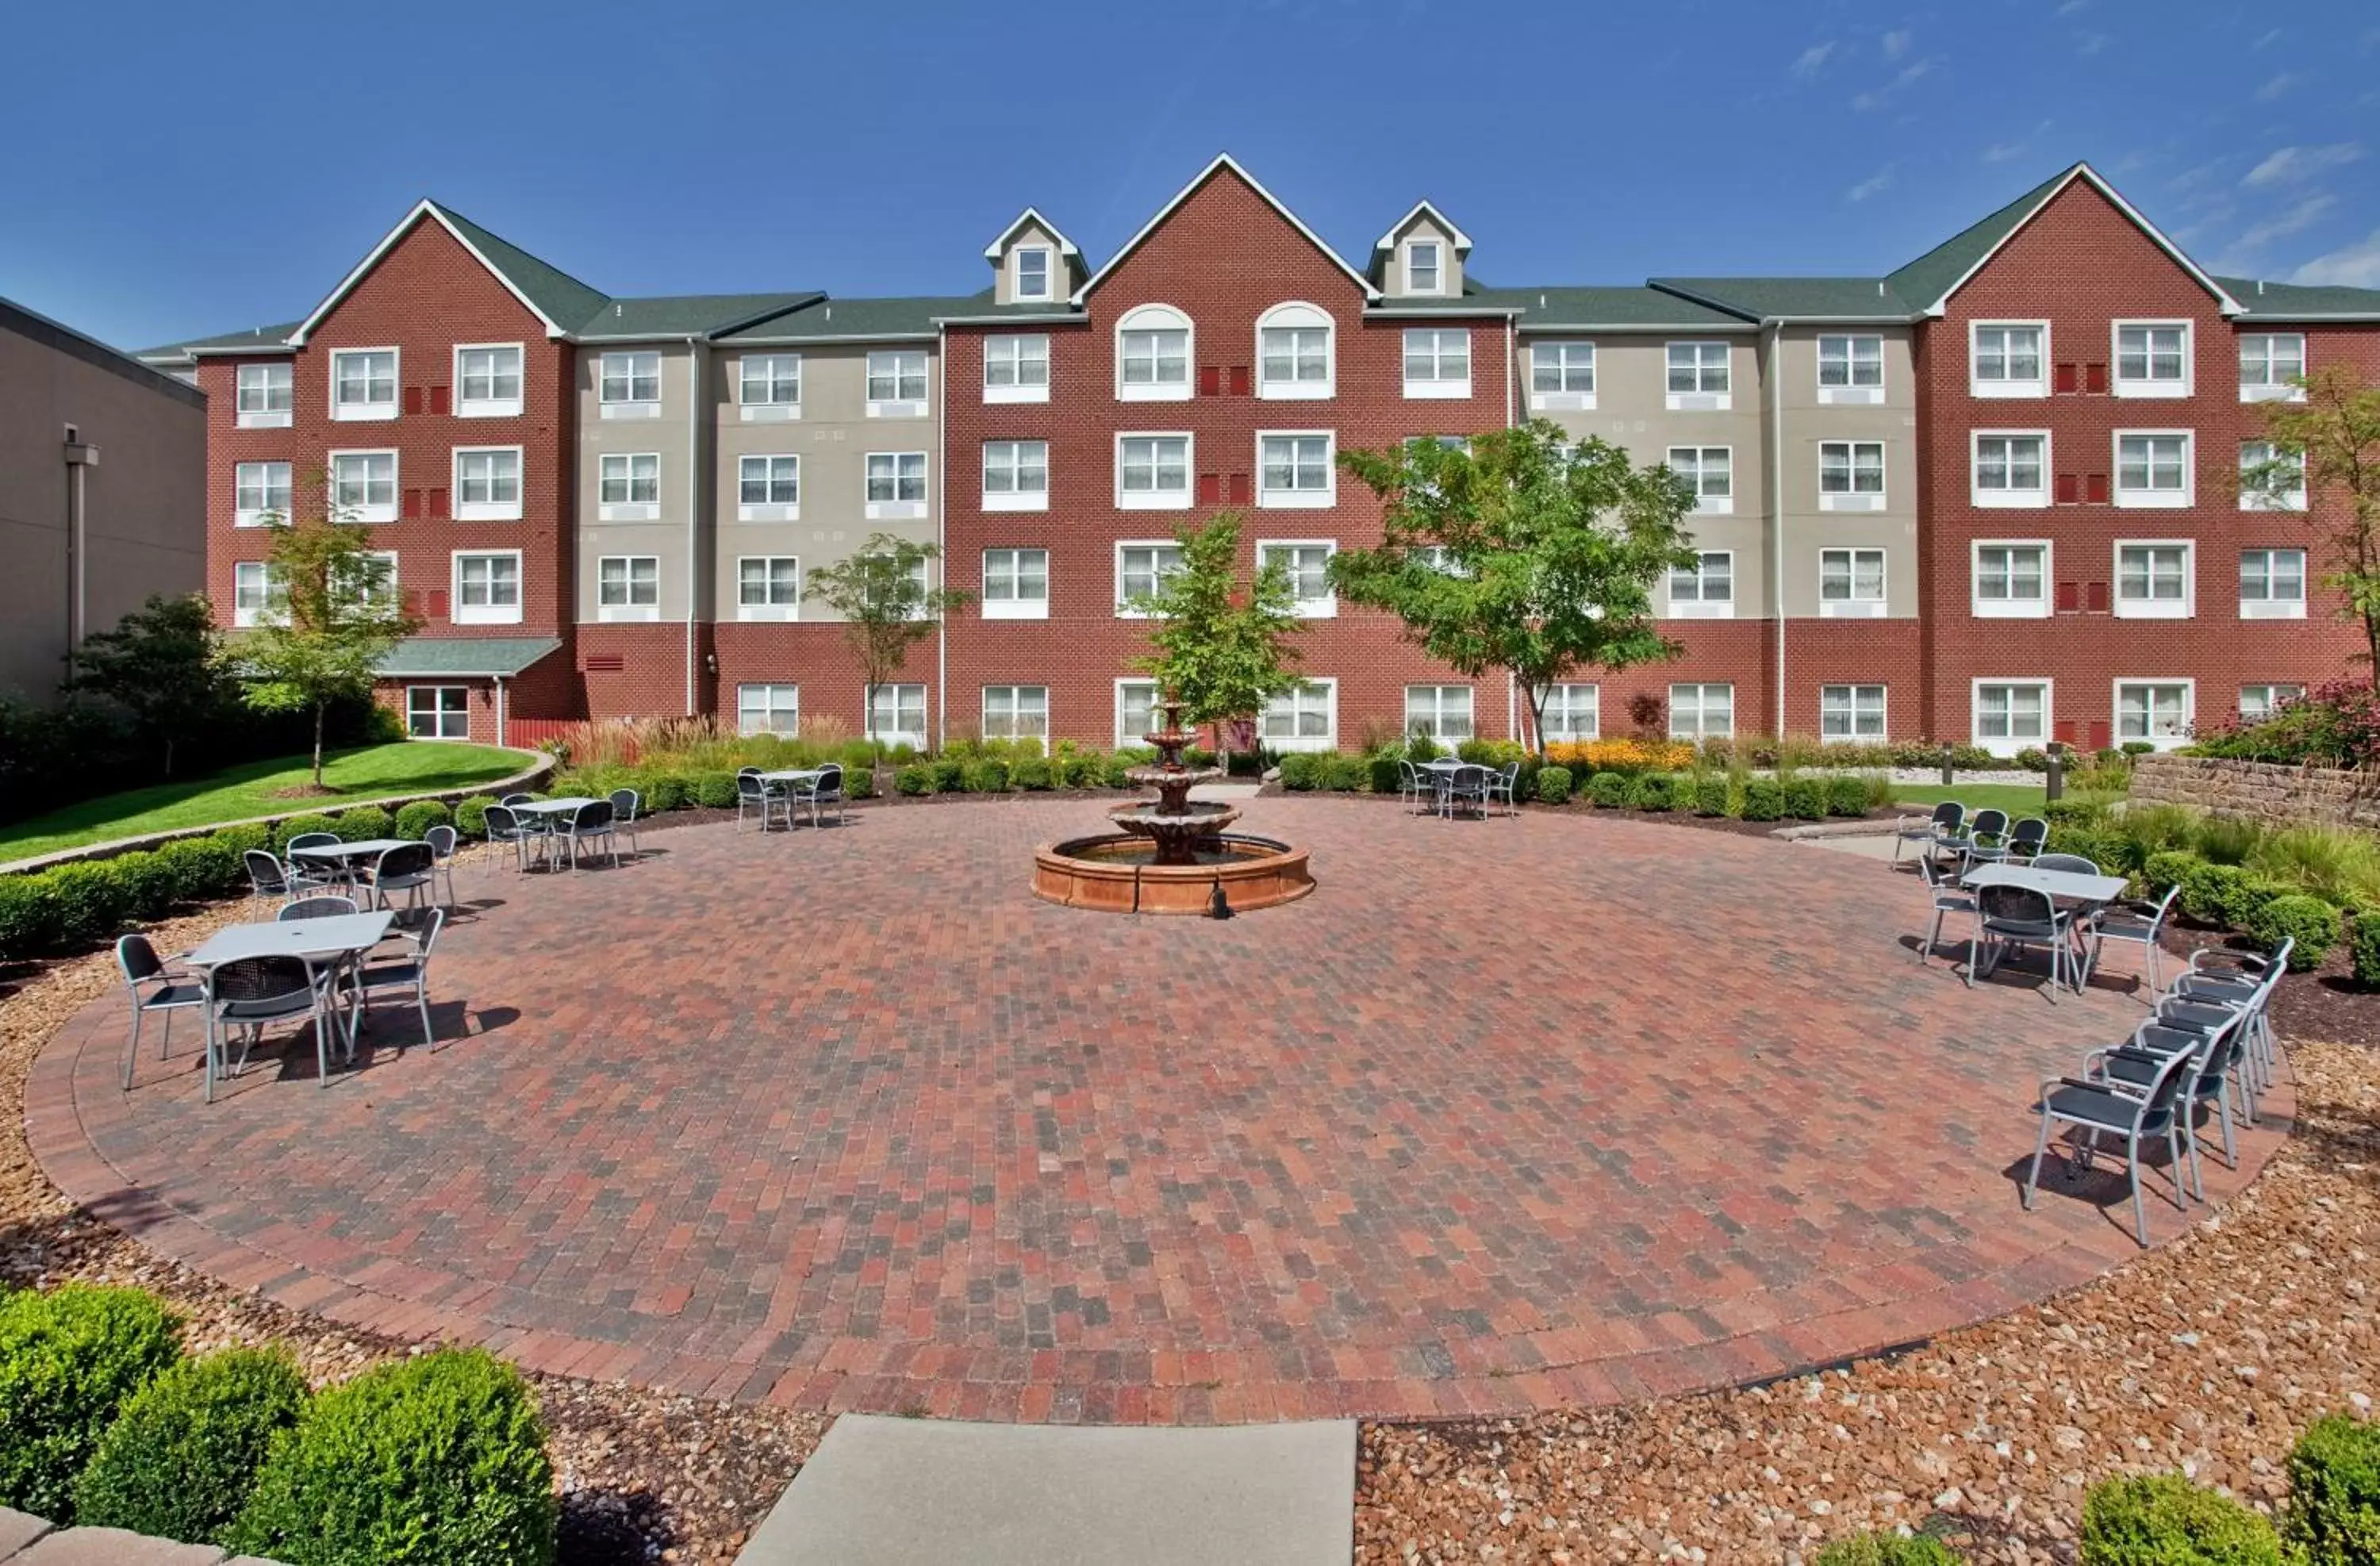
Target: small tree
{"type": "Point", "coordinates": [1522, 551]}
{"type": "Point", "coordinates": [334, 617]}
{"type": "Point", "coordinates": [2326, 446]}
{"type": "Point", "coordinates": [886, 606]}
{"type": "Point", "coordinates": [1221, 641]}
{"type": "Point", "coordinates": [159, 666]}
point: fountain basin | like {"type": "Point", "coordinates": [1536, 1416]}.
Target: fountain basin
{"type": "Point", "coordinates": [1116, 873]}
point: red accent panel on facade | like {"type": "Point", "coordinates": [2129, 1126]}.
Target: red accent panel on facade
{"type": "Point", "coordinates": [439, 510]}
{"type": "Point", "coordinates": [603, 663]}
{"type": "Point", "coordinates": [2094, 488]}
{"type": "Point", "coordinates": [1211, 489]}
{"type": "Point", "coordinates": [413, 400]}
{"type": "Point", "coordinates": [1242, 489]}
{"type": "Point", "coordinates": [1239, 380]}
{"type": "Point", "coordinates": [441, 400]}
{"type": "Point", "coordinates": [2101, 735]}
{"type": "Point", "coordinates": [410, 507]}
{"type": "Point", "coordinates": [2070, 489]}
{"type": "Point", "coordinates": [2095, 378]}
{"type": "Point", "coordinates": [438, 604]}
{"type": "Point", "coordinates": [1210, 380]}
{"type": "Point", "coordinates": [2095, 597]}
{"type": "Point", "coordinates": [2069, 598]}
{"type": "Point", "coordinates": [2066, 732]}
{"type": "Point", "coordinates": [2068, 380]}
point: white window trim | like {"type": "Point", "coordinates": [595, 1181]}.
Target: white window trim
{"type": "Point", "coordinates": [1179, 320]}
{"type": "Point", "coordinates": [2153, 608]}
{"type": "Point", "coordinates": [1435, 291]}
{"type": "Point", "coordinates": [2011, 745]}
{"type": "Point", "coordinates": [1709, 505]}
{"type": "Point", "coordinates": [1984, 607]}
{"type": "Point", "coordinates": [629, 406]}
{"type": "Point", "coordinates": [768, 511]}
{"type": "Point", "coordinates": [1430, 391]}
{"type": "Point", "coordinates": [898, 510]}
{"type": "Point", "coordinates": [2037, 387]}
{"type": "Point", "coordinates": [1847, 396]}
{"type": "Point", "coordinates": [488, 511]}
{"type": "Point", "coordinates": [1299, 500]}
{"type": "Point", "coordinates": [1299, 391]}
{"type": "Point", "coordinates": [2283, 391]}
{"type": "Point", "coordinates": [2116, 710]}
{"type": "Point", "coordinates": [2273, 699]}
{"type": "Point", "coordinates": [767, 704]}
{"type": "Point", "coordinates": [2295, 501]}
{"type": "Point", "coordinates": [898, 736]}
{"type": "Point", "coordinates": [2278, 608]}
{"type": "Point", "coordinates": [983, 711]}
{"type": "Point", "coordinates": [1701, 608]}
{"type": "Point", "coordinates": [1437, 706]}
{"type": "Point", "coordinates": [1699, 686]}
{"type": "Point", "coordinates": [1562, 402]}
{"type": "Point", "coordinates": [1115, 709]}
{"type": "Point", "coordinates": [438, 714]}
{"type": "Point", "coordinates": [243, 517]}
{"type": "Point", "coordinates": [1020, 608]}
{"type": "Point", "coordinates": [1016, 500]}
{"type": "Point", "coordinates": [484, 614]}
{"type": "Point", "coordinates": [1049, 273]}
{"type": "Point", "coordinates": [1854, 607]}
{"type": "Point", "coordinates": [1847, 500]}
{"type": "Point", "coordinates": [1328, 684]}
{"type": "Point", "coordinates": [1595, 685]}
{"type": "Point", "coordinates": [776, 613]}
{"type": "Point", "coordinates": [241, 615]}
{"type": "Point", "coordinates": [1698, 402]}
{"type": "Point", "coordinates": [266, 419]}
{"type": "Point", "coordinates": [630, 612]}
{"type": "Point", "coordinates": [370, 413]}
{"type": "Point", "coordinates": [896, 407]}
{"type": "Point", "coordinates": [2007, 500]}
{"type": "Point", "coordinates": [1158, 500]}
{"type": "Point", "coordinates": [628, 510]}
{"type": "Point", "coordinates": [490, 407]}
{"type": "Point", "coordinates": [369, 514]}
{"type": "Point", "coordinates": [2184, 387]}
{"type": "Point", "coordinates": [1122, 610]}
{"type": "Point", "coordinates": [1323, 607]}
{"type": "Point", "coordinates": [1019, 393]}
{"type": "Point", "coordinates": [392, 582]}
{"type": "Point", "coordinates": [770, 412]}
{"type": "Point", "coordinates": [2153, 500]}
{"type": "Point", "coordinates": [1855, 686]}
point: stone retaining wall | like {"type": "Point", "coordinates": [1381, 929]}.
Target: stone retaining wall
{"type": "Point", "coordinates": [2260, 790]}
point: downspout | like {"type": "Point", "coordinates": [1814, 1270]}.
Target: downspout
{"type": "Point", "coordinates": [500, 710]}
{"type": "Point", "coordinates": [942, 372]}
{"type": "Point", "coordinates": [693, 498]}
{"type": "Point", "coordinates": [1777, 502]}
{"type": "Point", "coordinates": [80, 457]}
{"type": "Point", "coordinates": [1512, 374]}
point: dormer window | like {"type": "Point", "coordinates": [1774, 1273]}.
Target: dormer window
{"type": "Point", "coordinates": [1033, 271]}
{"type": "Point", "coordinates": [1294, 358]}
{"type": "Point", "coordinates": [1423, 267]}
{"type": "Point", "coordinates": [1153, 355]}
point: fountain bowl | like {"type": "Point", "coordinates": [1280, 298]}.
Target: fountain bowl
{"type": "Point", "coordinates": [1114, 872]}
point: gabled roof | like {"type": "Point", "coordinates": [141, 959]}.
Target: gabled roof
{"type": "Point", "coordinates": [58, 337]}
{"type": "Point", "coordinates": [1224, 161]}
{"type": "Point", "coordinates": [1388, 242]}
{"type": "Point", "coordinates": [1930, 280]}
{"type": "Point", "coordinates": [555, 298]}
{"type": "Point", "coordinates": [1794, 298]}
{"type": "Point", "coordinates": [687, 315]}
{"type": "Point", "coordinates": [2302, 301]}
{"type": "Point", "coordinates": [1031, 218]}
{"type": "Point", "coordinates": [830, 320]}
{"type": "Point", "coordinates": [1574, 309]}
{"type": "Point", "coordinates": [256, 340]}
{"type": "Point", "coordinates": [485, 656]}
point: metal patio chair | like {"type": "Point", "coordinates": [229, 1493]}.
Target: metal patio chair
{"type": "Point", "coordinates": [1947, 822]}
{"type": "Point", "coordinates": [2013, 917]}
{"type": "Point", "coordinates": [154, 987]}
{"type": "Point", "coordinates": [2096, 1110]}
{"type": "Point", "coordinates": [1947, 899]}
{"type": "Point", "coordinates": [251, 993]}
{"type": "Point", "coordinates": [406, 972]}
{"type": "Point", "coordinates": [626, 803]}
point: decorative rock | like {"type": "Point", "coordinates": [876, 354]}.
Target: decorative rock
{"type": "Point", "coordinates": [18, 1529]}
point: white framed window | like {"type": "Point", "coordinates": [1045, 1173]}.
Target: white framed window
{"type": "Point", "coordinates": [266, 395]}
{"type": "Point", "coordinates": [1850, 368]}
{"type": "Point", "coordinates": [2010, 469]}
{"type": "Point", "coordinates": [363, 486]}
{"type": "Point", "coordinates": [1850, 712]}
{"type": "Point", "coordinates": [2012, 579]}
{"type": "Point", "coordinates": [2254, 455]}
{"type": "Point", "coordinates": [363, 383]}
{"type": "Point", "coordinates": [2153, 468]}
{"type": "Point", "coordinates": [1705, 590]}
{"type": "Point", "coordinates": [768, 388]}
{"type": "Point", "coordinates": [1016, 475]}
{"type": "Point", "coordinates": [1032, 271]}
{"type": "Point", "coordinates": [768, 709]}
{"type": "Point", "coordinates": [628, 586]}
{"type": "Point", "coordinates": [896, 485]}
{"type": "Point", "coordinates": [1305, 717]}
{"type": "Point", "coordinates": [1702, 711]}
{"type": "Point", "coordinates": [2269, 361]}
{"type": "Point", "coordinates": [1141, 565]}
{"type": "Point", "coordinates": [2008, 358]}
{"type": "Point", "coordinates": [1152, 472]}
{"type": "Point", "coordinates": [1443, 712]}
{"type": "Point", "coordinates": [2008, 715]}
{"type": "Point", "coordinates": [487, 587]}
{"type": "Point", "coordinates": [1296, 470]}
{"type": "Point", "coordinates": [896, 383]}
{"type": "Point", "coordinates": [1016, 584]}
{"type": "Point", "coordinates": [896, 714]}
{"type": "Point", "coordinates": [2152, 578]}
{"type": "Point", "coordinates": [378, 582]}
{"type": "Point", "coordinates": [1016, 712]}
{"type": "Point", "coordinates": [1016, 369]}
{"type": "Point", "coordinates": [1699, 380]}
{"type": "Point", "coordinates": [1294, 357]}
{"type": "Point", "coordinates": [768, 586]}
{"type": "Point", "coordinates": [1425, 267]}
{"type": "Point", "coordinates": [2152, 359]}
{"type": "Point", "coordinates": [487, 483]}
{"type": "Point", "coordinates": [1437, 361]}
{"type": "Point", "coordinates": [628, 385]}
{"type": "Point", "coordinates": [1572, 712]}
{"type": "Point", "coordinates": [2272, 584]}
{"type": "Point", "coordinates": [1307, 563]}
{"type": "Point", "coordinates": [261, 491]}
{"type": "Point", "coordinates": [488, 381]}
{"type": "Point", "coordinates": [1561, 377]}
{"type": "Point", "coordinates": [1850, 474]}
{"type": "Point", "coordinates": [1153, 355]}
{"type": "Point", "coordinates": [438, 711]}
{"type": "Point", "coordinates": [1136, 712]}
{"type": "Point", "coordinates": [768, 488]}
{"type": "Point", "coordinates": [1850, 583]}
{"type": "Point", "coordinates": [1710, 472]}
{"type": "Point", "coordinates": [628, 487]}
{"type": "Point", "coordinates": [258, 597]}
{"type": "Point", "coordinates": [2159, 712]}
{"type": "Point", "coordinates": [2260, 702]}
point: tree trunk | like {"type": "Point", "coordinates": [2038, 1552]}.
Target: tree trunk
{"type": "Point", "coordinates": [318, 744]}
{"type": "Point", "coordinates": [169, 758]}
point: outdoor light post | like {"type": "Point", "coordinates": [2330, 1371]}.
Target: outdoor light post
{"type": "Point", "coordinates": [1946, 775]}
{"type": "Point", "coordinates": [2053, 782]}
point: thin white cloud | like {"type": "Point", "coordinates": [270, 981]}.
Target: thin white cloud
{"type": "Point", "coordinates": [2292, 166]}
{"type": "Point", "coordinates": [1906, 78]}
{"type": "Point", "coordinates": [1896, 43]}
{"type": "Point", "coordinates": [2272, 37]}
{"type": "Point", "coordinates": [2091, 43]}
{"type": "Point", "coordinates": [2069, 8]}
{"type": "Point", "coordinates": [1813, 60]}
{"type": "Point", "coordinates": [2352, 266]}
{"type": "Point", "coordinates": [2278, 87]}
{"type": "Point", "coordinates": [2004, 151]}
{"type": "Point", "coordinates": [2294, 219]}
{"type": "Point", "coordinates": [1875, 184]}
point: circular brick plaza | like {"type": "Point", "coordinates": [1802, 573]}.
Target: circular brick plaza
{"type": "Point", "coordinates": [1506, 1114]}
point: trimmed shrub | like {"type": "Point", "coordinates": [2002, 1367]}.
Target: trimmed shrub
{"type": "Point", "coordinates": [1297, 770]}
{"type": "Point", "coordinates": [950, 773]}
{"type": "Point", "coordinates": [89, 901]}
{"type": "Point", "coordinates": [149, 884]}
{"type": "Point", "coordinates": [665, 790]}
{"type": "Point", "coordinates": [1764, 799]}
{"type": "Point", "coordinates": [912, 779]}
{"type": "Point", "coordinates": [202, 867]}
{"type": "Point", "coordinates": [1080, 772]}
{"type": "Point", "coordinates": [859, 782]}
{"type": "Point", "coordinates": [2209, 891]}
{"type": "Point", "coordinates": [1553, 785]}
{"type": "Point", "coordinates": [437, 1458]}
{"type": "Point", "coordinates": [2171, 867]}
{"type": "Point", "coordinates": [245, 835]}
{"type": "Point", "coordinates": [2164, 1520]}
{"type": "Point", "coordinates": [414, 820]}
{"type": "Point", "coordinates": [2313, 922]}
{"type": "Point", "coordinates": [1345, 775]}
{"type": "Point", "coordinates": [985, 775]}
{"type": "Point", "coordinates": [1846, 794]}
{"type": "Point", "coordinates": [1805, 798]}
{"type": "Point", "coordinates": [2072, 811]}
{"type": "Point", "coordinates": [180, 1459]}
{"type": "Point", "coordinates": [1113, 767]}
{"type": "Point", "coordinates": [364, 822]}
{"type": "Point", "coordinates": [2033, 759]}
{"type": "Point", "coordinates": [68, 1358]}
{"type": "Point", "coordinates": [298, 826]}
{"type": "Point", "coordinates": [1387, 770]}
{"type": "Point", "coordinates": [2363, 944]}
{"type": "Point", "coordinates": [1607, 791]}
{"type": "Point", "coordinates": [2248, 899]}
{"type": "Point", "coordinates": [715, 791]}
{"type": "Point", "coordinates": [471, 814]}
{"type": "Point", "coordinates": [1887, 1549]}
{"type": "Point", "coordinates": [1654, 791]}
{"type": "Point", "coordinates": [1033, 772]}
{"type": "Point", "coordinates": [1709, 796]}
{"type": "Point", "coordinates": [2333, 1516]}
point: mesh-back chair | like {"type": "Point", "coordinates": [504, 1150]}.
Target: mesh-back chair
{"type": "Point", "coordinates": [2013, 917]}
{"type": "Point", "coordinates": [590, 828]}
{"type": "Point", "coordinates": [408, 972]}
{"type": "Point", "coordinates": [1947, 899]}
{"type": "Point", "coordinates": [267, 877]}
{"type": "Point", "coordinates": [2026, 839]}
{"type": "Point", "coordinates": [154, 987]}
{"type": "Point", "coordinates": [2215, 1062]}
{"type": "Point", "coordinates": [1465, 785]}
{"type": "Point", "coordinates": [505, 829]}
{"type": "Point", "coordinates": [2135, 924]}
{"type": "Point", "coordinates": [1411, 784]}
{"type": "Point", "coordinates": [305, 872]}
{"type": "Point", "coordinates": [515, 801]}
{"type": "Point", "coordinates": [2074, 862]}
{"type": "Point", "coordinates": [1987, 837]}
{"type": "Point", "coordinates": [2218, 975]}
{"type": "Point", "coordinates": [826, 791]}
{"type": "Point", "coordinates": [753, 795]}
{"type": "Point", "coordinates": [626, 803]}
{"type": "Point", "coordinates": [2096, 1110]}
{"type": "Point", "coordinates": [1947, 822]}
{"type": "Point", "coordinates": [251, 992]}
{"type": "Point", "coordinates": [408, 869]}
{"type": "Point", "coordinates": [443, 841]}
{"type": "Point", "coordinates": [325, 906]}
{"type": "Point", "coordinates": [1502, 782]}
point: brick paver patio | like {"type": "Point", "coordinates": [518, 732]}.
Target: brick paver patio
{"type": "Point", "coordinates": [1507, 1114]}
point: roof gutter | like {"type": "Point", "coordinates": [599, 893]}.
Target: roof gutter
{"type": "Point", "coordinates": [1777, 506]}
{"type": "Point", "coordinates": [693, 498]}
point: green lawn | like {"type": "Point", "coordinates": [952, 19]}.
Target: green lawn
{"type": "Point", "coordinates": [2017, 799]}
{"type": "Point", "coordinates": [239, 792]}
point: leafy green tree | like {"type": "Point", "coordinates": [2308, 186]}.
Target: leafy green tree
{"type": "Point", "coordinates": [159, 666]}
{"type": "Point", "coordinates": [2327, 448]}
{"type": "Point", "coordinates": [1221, 642]}
{"type": "Point", "coordinates": [1523, 551]}
{"type": "Point", "coordinates": [886, 606]}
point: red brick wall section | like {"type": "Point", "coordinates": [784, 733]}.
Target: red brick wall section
{"type": "Point", "coordinates": [816, 657]}
{"type": "Point", "coordinates": [649, 679]}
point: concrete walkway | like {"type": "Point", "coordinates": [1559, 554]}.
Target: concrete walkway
{"type": "Point", "coordinates": [882, 1492]}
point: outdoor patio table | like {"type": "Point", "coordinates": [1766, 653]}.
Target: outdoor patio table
{"type": "Point", "coordinates": [792, 774]}
{"type": "Point", "coordinates": [349, 857]}
{"type": "Point", "coordinates": [550, 813]}
{"type": "Point", "coordinates": [340, 938]}
{"type": "Point", "coordinates": [2071, 884]}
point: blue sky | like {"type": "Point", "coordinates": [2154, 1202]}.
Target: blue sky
{"type": "Point", "coordinates": [187, 169]}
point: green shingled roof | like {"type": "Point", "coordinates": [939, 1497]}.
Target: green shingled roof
{"type": "Point", "coordinates": [2295, 301]}
{"type": "Point", "coordinates": [859, 320]}
{"type": "Point", "coordinates": [1561, 307]}
{"type": "Point", "coordinates": [1931, 275]}
{"type": "Point", "coordinates": [465, 655]}
{"type": "Point", "coordinates": [685, 315]}
{"type": "Point", "coordinates": [562, 299]}
{"type": "Point", "coordinates": [1828, 298]}
{"type": "Point", "coordinates": [258, 337]}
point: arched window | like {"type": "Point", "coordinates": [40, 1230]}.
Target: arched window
{"type": "Point", "coordinates": [1295, 353]}
{"type": "Point", "coordinates": [1153, 355]}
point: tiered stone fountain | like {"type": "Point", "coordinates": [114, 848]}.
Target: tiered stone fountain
{"type": "Point", "coordinates": [1173, 856]}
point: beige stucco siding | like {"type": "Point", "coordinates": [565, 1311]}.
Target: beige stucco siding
{"type": "Point", "coordinates": [1809, 424]}
{"type": "Point", "coordinates": [679, 445]}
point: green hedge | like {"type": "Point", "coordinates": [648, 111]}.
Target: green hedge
{"type": "Point", "coordinates": [1345, 775]}
{"type": "Point", "coordinates": [204, 866]}
{"type": "Point", "coordinates": [2169, 867]}
{"type": "Point", "coordinates": [414, 821]}
{"type": "Point", "coordinates": [2333, 1516]}
{"type": "Point", "coordinates": [1846, 795]}
{"type": "Point", "coordinates": [1080, 772]}
{"type": "Point", "coordinates": [90, 901]}
{"type": "Point", "coordinates": [985, 774]}
{"type": "Point", "coordinates": [1709, 796]}
{"type": "Point", "coordinates": [1608, 790]}
{"type": "Point", "coordinates": [1033, 774]}
{"type": "Point", "coordinates": [1387, 773]}
{"type": "Point", "coordinates": [950, 773]}
{"type": "Point", "coordinates": [2311, 921]}
{"type": "Point", "coordinates": [1298, 772]}
{"type": "Point", "coordinates": [471, 816]}
{"type": "Point", "coordinates": [1654, 791]}
{"type": "Point", "coordinates": [912, 779]}
{"type": "Point", "coordinates": [1805, 797]}
{"type": "Point", "coordinates": [2164, 1520]}
{"type": "Point", "coordinates": [364, 823]}
{"type": "Point", "coordinates": [666, 791]}
{"type": "Point", "coordinates": [69, 1359]}
{"type": "Point", "coordinates": [1553, 785]}
{"type": "Point", "coordinates": [1764, 799]}
{"type": "Point", "coordinates": [1886, 1550]}
{"type": "Point", "coordinates": [2209, 892]}
{"type": "Point", "coordinates": [298, 826]}
{"type": "Point", "coordinates": [183, 1454]}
